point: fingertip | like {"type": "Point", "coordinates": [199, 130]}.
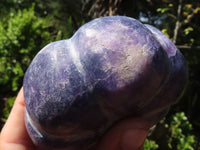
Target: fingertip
{"type": "Point", "coordinates": [128, 134]}
{"type": "Point", "coordinates": [133, 139]}
{"type": "Point", "coordinates": [20, 98]}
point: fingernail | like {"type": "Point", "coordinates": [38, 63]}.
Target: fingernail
{"type": "Point", "coordinates": [133, 139]}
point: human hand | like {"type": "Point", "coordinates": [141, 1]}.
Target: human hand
{"type": "Point", "coordinates": [129, 134]}
{"type": "Point", "coordinates": [14, 135]}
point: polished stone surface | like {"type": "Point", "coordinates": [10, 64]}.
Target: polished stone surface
{"type": "Point", "coordinates": [112, 68]}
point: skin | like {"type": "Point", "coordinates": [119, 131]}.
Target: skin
{"type": "Point", "coordinates": [128, 134]}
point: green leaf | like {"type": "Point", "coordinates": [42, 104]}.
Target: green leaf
{"type": "Point", "coordinates": [188, 30]}
{"type": "Point", "coordinates": [162, 10]}
{"type": "Point", "coordinates": [150, 145]}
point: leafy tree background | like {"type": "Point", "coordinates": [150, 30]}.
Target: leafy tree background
{"type": "Point", "coordinates": [28, 25]}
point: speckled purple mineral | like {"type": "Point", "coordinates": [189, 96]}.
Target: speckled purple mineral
{"type": "Point", "coordinates": [112, 68]}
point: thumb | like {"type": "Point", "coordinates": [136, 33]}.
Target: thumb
{"type": "Point", "coordinates": [132, 139]}
{"type": "Point", "coordinates": [129, 134]}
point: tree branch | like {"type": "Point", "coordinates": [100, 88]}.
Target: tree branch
{"type": "Point", "coordinates": [171, 15]}
{"type": "Point", "coordinates": [178, 22]}
{"type": "Point", "coordinates": [187, 47]}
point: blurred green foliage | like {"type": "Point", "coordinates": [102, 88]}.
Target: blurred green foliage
{"type": "Point", "coordinates": [178, 135]}
{"type": "Point", "coordinates": [21, 36]}
{"type": "Point", "coordinates": [8, 106]}
{"type": "Point", "coordinates": [181, 136]}
{"type": "Point", "coordinates": [150, 145]}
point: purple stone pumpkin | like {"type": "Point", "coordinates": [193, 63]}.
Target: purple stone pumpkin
{"type": "Point", "coordinates": [112, 68]}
